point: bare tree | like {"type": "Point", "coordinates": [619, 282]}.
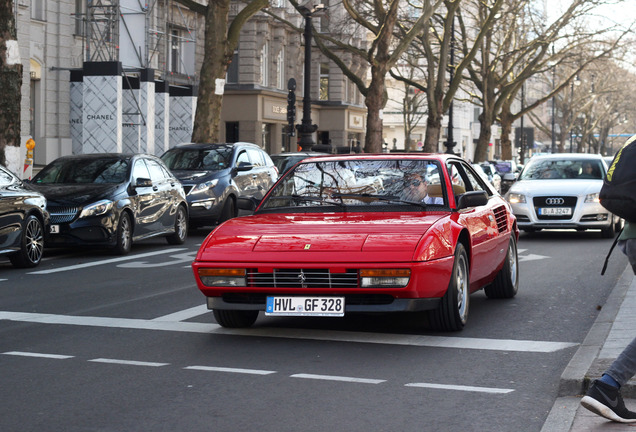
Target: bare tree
{"type": "Point", "coordinates": [221, 41]}
{"type": "Point", "coordinates": [10, 81]}
{"type": "Point", "coordinates": [434, 46]}
{"type": "Point", "coordinates": [518, 49]}
{"type": "Point", "coordinates": [382, 19]}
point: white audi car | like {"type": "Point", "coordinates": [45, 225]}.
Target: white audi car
{"type": "Point", "coordinates": [560, 191]}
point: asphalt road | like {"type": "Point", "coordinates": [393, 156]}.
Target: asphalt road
{"type": "Point", "coordinates": [94, 342]}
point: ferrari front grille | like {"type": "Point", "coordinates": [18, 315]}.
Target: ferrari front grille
{"type": "Point", "coordinates": [302, 278]}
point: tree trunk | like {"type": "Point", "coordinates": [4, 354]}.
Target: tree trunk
{"type": "Point", "coordinates": [506, 118]}
{"type": "Point", "coordinates": [485, 133]}
{"type": "Point", "coordinates": [10, 83]}
{"type": "Point", "coordinates": [433, 128]}
{"type": "Point", "coordinates": [375, 101]}
{"type": "Point", "coordinates": [215, 63]}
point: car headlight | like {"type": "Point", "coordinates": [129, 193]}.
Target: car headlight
{"type": "Point", "coordinates": [97, 209]}
{"type": "Point", "coordinates": [515, 198]}
{"type": "Point", "coordinates": [218, 277]}
{"type": "Point", "coordinates": [205, 185]}
{"type": "Point", "coordinates": [592, 198]}
{"type": "Point", "coordinates": [384, 278]}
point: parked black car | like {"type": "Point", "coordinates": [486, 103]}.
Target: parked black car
{"type": "Point", "coordinates": [112, 200]}
{"type": "Point", "coordinates": [23, 220]}
{"type": "Point", "coordinates": [214, 176]}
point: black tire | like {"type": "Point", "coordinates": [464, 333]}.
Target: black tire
{"type": "Point", "coordinates": [180, 228]}
{"type": "Point", "coordinates": [452, 312]}
{"type": "Point", "coordinates": [124, 234]}
{"type": "Point", "coordinates": [610, 231]}
{"type": "Point", "coordinates": [235, 318]}
{"type": "Point", "coordinates": [506, 283]}
{"type": "Point", "coordinates": [229, 210]}
{"type": "Point", "coordinates": [31, 244]}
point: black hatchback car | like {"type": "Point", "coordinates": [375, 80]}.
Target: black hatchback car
{"type": "Point", "coordinates": [23, 220]}
{"type": "Point", "coordinates": [214, 176]}
{"type": "Point", "coordinates": [112, 200]}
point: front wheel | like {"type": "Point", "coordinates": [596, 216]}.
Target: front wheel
{"type": "Point", "coordinates": [235, 318]}
{"type": "Point", "coordinates": [506, 282]}
{"type": "Point", "coordinates": [452, 312]}
{"type": "Point", "coordinates": [180, 228]}
{"type": "Point", "coordinates": [31, 244]}
{"type": "Point", "coordinates": [124, 234]}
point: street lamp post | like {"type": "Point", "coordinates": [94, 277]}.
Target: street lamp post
{"type": "Point", "coordinates": [575, 81]}
{"type": "Point", "coordinates": [306, 128]}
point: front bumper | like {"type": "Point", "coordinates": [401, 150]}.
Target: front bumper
{"type": "Point", "coordinates": [584, 216]}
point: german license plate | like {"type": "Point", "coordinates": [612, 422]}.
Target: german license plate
{"type": "Point", "coordinates": [55, 229]}
{"type": "Point", "coordinates": [555, 211]}
{"type": "Point", "coordinates": [305, 306]}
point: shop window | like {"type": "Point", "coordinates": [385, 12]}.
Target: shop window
{"type": "Point", "coordinates": [231, 132]}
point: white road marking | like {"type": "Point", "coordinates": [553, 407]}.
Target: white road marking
{"type": "Point", "coordinates": [460, 388]}
{"type": "Point", "coordinates": [532, 257]}
{"type": "Point", "coordinates": [178, 258]}
{"type": "Point", "coordinates": [107, 261]}
{"type": "Point", "coordinates": [309, 334]}
{"type": "Point", "coordinates": [231, 370]}
{"type": "Point", "coordinates": [184, 314]}
{"type": "Point", "coordinates": [128, 362]}
{"type": "Point", "coordinates": [338, 378]}
{"type": "Point", "coordinates": [40, 355]}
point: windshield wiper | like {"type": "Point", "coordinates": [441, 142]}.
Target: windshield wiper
{"type": "Point", "coordinates": [307, 198]}
{"type": "Point", "coordinates": [388, 198]}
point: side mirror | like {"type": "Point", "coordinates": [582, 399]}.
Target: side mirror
{"type": "Point", "coordinates": [248, 203]}
{"type": "Point", "coordinates": [143, 182]}
{"type": "Point", "coordinates": [244, 166]}
{"type": "Point", "coordinates": [472, 199]}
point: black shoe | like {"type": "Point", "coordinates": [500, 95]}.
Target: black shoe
{"type": "Point", "coordinates": [606, 400]}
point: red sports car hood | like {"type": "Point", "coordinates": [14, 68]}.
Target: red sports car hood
{"type": "Point", "coordinates": [345, 237]}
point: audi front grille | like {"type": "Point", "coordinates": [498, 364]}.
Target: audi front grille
{"type": "Point", "coordinates": [554, 201]}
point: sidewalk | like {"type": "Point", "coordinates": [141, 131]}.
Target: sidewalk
{"type": "Point", "coordinates": [613, 330]}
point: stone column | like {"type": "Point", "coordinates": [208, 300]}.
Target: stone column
{"type": "Point", "coordinates": [102, 108]}
{"type": "Point", "coordinates": [75, 115]}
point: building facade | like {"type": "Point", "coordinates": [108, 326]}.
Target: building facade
{"type": "Point", "coordinates": [66, 44]}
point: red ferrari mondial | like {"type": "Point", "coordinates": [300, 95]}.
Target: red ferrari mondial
{"type": "Point", "coordinates": [364, 233]}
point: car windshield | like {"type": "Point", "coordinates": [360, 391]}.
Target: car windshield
{"type": "Point", "coordinates": [84, 171]}
{"type": "Point", "coordinates": [547, 169]}
{"type": "Point", "coordinates": [361, 183]}
{"type": "Point", "coordinates": [209, 159]}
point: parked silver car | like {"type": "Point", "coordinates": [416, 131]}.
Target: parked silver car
{"type": "Point", "coordinates": [561, 191]}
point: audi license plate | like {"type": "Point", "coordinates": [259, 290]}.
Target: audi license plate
{"type": "Point", "coordinates": [555, 211]}
{"type": "Point", "coordinates": [305, 306]}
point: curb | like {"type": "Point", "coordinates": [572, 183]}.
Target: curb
{"type": "Point", "coordinates": [585, 365]}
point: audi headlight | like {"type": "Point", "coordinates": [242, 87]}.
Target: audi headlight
{"type": "Point", "coordinates": [515, 198]}
{"type": "Point", "coordinates": [592, 198]}
{"type": "Point", "coordinates": [384, 278]}
{"type": "Point", "coordinates": [218, 277]}
{"type": "Point", "coordinates": [201, 187]}
{"type": "Point", "coordinates": [97, 209]}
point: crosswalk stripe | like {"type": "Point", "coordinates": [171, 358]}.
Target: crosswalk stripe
{"type": "Point", "coordinates": [309, 334]}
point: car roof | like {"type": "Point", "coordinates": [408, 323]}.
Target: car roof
{"type": "Point", "coordinates": [442, 157]}
{"type": "Point", "coordinates": [307, 153]}
{"type": "Point", "coordinates": [568, 156]}
{"type": "Point", "coordinates": [215, 145]}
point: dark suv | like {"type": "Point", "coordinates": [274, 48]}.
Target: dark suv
{"type": "Point", "coordinates": [214, 176]}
